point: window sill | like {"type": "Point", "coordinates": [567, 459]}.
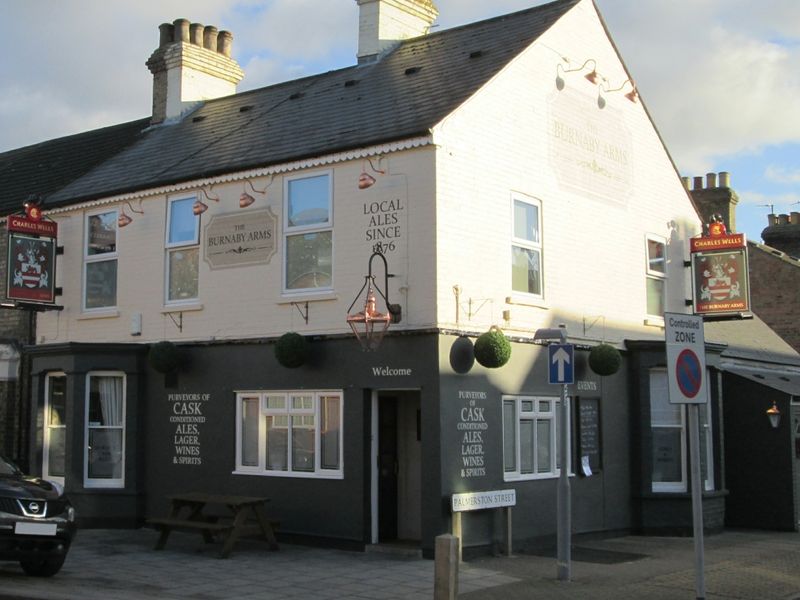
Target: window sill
{"type": "Point", "coordinates": [99, 314]}
{"type": "Point", "coordinates": [326, 296]}
{"type": "Point", "coordinates": [173, 308]}
{"type": "Point", "coordinates": [335, 475]}
{"type": "Point", "coordinates": [531, 301]}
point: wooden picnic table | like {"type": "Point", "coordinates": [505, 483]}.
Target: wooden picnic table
{"type": "Point", "coordinates": [188, 513]}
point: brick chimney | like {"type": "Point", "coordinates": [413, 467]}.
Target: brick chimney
{"type": "Point", "coordinates": [382, 24]}
{"type": "Point", "coordinates": [713, 199]}
{"type": "Point", "coordinates": [783, 233]}
{"type": "Point", "coordinates": [192, 63]}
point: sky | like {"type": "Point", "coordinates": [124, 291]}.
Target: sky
{"type": "Point", "coordinates": [720, 78]}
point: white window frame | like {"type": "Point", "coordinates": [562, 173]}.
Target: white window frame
{"type": "Point", "coordinates": [293, 230]}
{"type": "Point", "coordinates": [653, 274]}
{"type": "Point", "coordinates": [46, 434]}
{"type": "Point", "coordinates": [707, 450]}
{"type": "Point", "coordinates": [261, 468]}
{"type": "Point", "coordinates": [535, 415]}
{"type": "Point", "coordinates": [97, 258]}
{"type": "Point", "coordinates": [170, 247]}
{"type": "Point", "coordinates": [536, 245]}
{"type": "Point", "coordinates": [95, 482]}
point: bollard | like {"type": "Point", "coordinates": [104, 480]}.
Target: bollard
{"type": "Point", "coordinates": [445, 585]}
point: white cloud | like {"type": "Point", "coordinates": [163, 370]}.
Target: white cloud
{"type": "Point", "coordinates": [781, 202]}
{"type": "Point", "coordinates": [780, 174]}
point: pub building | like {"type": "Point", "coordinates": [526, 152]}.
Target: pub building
{"type": "Point", "coordinates": [326, 292]}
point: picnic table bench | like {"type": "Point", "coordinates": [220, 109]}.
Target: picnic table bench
{"type": "Point", "coordinates": [241, 510]}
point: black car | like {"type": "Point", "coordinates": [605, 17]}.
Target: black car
{"type": "Point", "coordinates": [37, 522]}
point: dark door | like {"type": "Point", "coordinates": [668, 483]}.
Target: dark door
{"type": "Point", "coordinates": [387, 469]}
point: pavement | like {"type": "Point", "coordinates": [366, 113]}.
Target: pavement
{"type": "Point", "coordinates": [121, 565]}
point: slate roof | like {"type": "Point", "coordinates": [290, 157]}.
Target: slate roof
{"type": "Point", "coordinates": [401, 96]}
{"type": "Point", "coordinates": [751, 340]}
{"type": "Point", "coordinates": [47, 167]}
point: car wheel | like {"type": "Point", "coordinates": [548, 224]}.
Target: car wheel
{"type": "Point", "coordinates": [42, 567]}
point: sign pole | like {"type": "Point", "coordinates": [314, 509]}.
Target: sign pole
{"type": "Point", "coordinates": [564, 496]}
{"type": "Point", "coordinates": [697, 500]}
{"type": "Point", "coordinates": [686, 367]}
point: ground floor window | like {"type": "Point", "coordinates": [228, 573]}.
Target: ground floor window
{"type": "Point", "coordinates": [55, 412]}
{"type": "Point", "coordinates": [289, 434]}
{"type": "Point", "coordinates": [104, 464]}
{"type": "Point", "coordinates": [529, 437]}
{"type": "Point", "coordinates": [668, 424]}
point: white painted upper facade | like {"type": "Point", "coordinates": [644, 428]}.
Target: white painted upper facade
{"type": "Point", "coordinates": [443, 210]}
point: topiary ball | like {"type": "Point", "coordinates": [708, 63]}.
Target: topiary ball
{"type": "Point", "coordinates": [492, 349]}
{"type": "Point", "coordinates": [462, 355]}
{"type": "Point", "coordinates": [163, 357]}
{"type": "Point", "coordinates": [291, 350]}
{"type": "Point", "coordinates": [604, 359]}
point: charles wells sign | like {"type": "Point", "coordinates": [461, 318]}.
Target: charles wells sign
{"type": "Point", "coordinates": [720, 278]}
{"type": "Point", "coordinates": [31, 259]}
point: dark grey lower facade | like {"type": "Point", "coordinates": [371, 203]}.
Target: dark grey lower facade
{"type": "Point", "coordinates": [355, 448]}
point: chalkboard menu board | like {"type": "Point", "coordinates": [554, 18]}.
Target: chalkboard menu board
{"type": "Point", "coordinates": [589, 434]}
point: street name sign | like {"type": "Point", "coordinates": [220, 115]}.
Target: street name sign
{"type": "Point", "coordinates": [686, 358]}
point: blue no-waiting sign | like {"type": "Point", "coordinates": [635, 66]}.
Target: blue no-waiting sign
{"type": "Point", "coordinates": [686, 358]}
{"type": "Point", "coordinates": [688, 373]}
{"type": "Point", "coordinates": [561, 363]}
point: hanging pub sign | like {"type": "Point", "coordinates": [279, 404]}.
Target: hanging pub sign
{"type": "Point", "coordinates": [31, 257]}
{"type": "Point", "coordinates": [720, 276]}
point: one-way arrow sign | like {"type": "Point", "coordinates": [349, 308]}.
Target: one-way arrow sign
{"type": "Point", "coordinates": [561, 363]}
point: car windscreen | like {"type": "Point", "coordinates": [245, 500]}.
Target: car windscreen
{"type": "Point", "coordinates": [7, 467]}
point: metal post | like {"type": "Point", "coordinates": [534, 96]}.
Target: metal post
{"type": "Point", "coordinates": [564, 499]}
{"type": "Point", "coordinates": [697, 499]}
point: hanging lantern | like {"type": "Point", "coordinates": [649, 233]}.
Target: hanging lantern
{"type": "Point", "coordinates": [774, 415]}
{"type": "Point", "coordinates": [370, 324]}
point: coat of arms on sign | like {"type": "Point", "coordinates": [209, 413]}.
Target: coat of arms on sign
{"type": "Point", "coordinates": [720, 277]}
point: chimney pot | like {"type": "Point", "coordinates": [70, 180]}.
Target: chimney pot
{"type": "Point", "coordinates": [224, 43]}
{"type": "Point", "coordinates": [181, 30]}
{"type": "Point", "coordinates": [210, 38]}
{"type": "Point", "coordinates": [197, 34]}
{"type": "Point", "coordinates": [166, 31]}
{"type": "Point", "coordinates": [783, 219]}
{"type": "Point", "coordinates": [698, 182]}
{"type": "Point", "coordinates": [686, 182]}
{"type": "Point", "coordinates": [724, 179]}
{"type": "Point", "coordinates": [772, 219]}
{"type": "Point", "coordinates": [711, 180]}
{"type": "Point", "coordinates": [795, 218]}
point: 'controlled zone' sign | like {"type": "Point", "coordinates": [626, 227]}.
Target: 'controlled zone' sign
{"type": "Point", "coordinates": [686, 358]}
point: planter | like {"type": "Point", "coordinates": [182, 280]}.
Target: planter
{"type": "Point", "coordinates": [163, 357]}
{"type": "Point", "coordinates": [291, 351]}
{"type": "Point", "coordinates": [604, 359]}
{"type": "Point", "coordinates": [492, 349]}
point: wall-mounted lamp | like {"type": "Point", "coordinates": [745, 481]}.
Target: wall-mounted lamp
{"type": "Point", "coordinates": [593, 76]}
{"type": "Point", "coordinates": [124, 220]}
{"type": "Point", "coordinates": [198, 208]}
{"type": "Point", "coordinates": [369, 325]}
{"type": "Point", "coordinates": [774, 415]}
{"type": "Point", "coordinates": [632, 95]}
{"type": "Point", "coordinates": [365, 180]}
{"type": "Point", "coordinates": [246, 199]}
